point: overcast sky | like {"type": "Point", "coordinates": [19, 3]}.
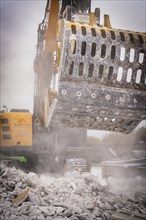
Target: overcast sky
{"type": "Point", "coordinates": [19, 23]}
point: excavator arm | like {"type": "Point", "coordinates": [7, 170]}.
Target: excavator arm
{"type": "Point", "coordinates": [88, 75]}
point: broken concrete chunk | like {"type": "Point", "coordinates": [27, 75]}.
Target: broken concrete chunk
{"type": "Point", "coordinates": [78, 190]}
{"type": "Point", "coordinates": [32, 179]}
{"type": "Point", "coordinates": [74, 218]}
{"type": "Point", "coordinates": [68, 213]}
{"type": "Point", "coordinates": [73, 208]}
{"type": "Point", "coordinates": [97, 212]}
{"type": "Point", "coordinates": [88, 178]}
{"type": "Point", "coordinates": [59, 210]}
{"type": "Point", "coordinates": [130, 196]}
{"type": "Point", "coordinates": [45, 210]}
{"type": "Point", "coordinates": [89, 204]}
{"type": "Point", "coordinates": [11, 184]}
{"type": "Point", "coordinates": [1, 210]}
{"type": "Point", "coordinates": [86, 216]}
{"type": "Point", "coordinates": [19, 184]}
{"type": "Point", "coordinates": [107, 215]}
{"type": "Point", "coordinates": [23, 209]}
{"type": "Point", "coordinates": [4, 195]}
{"type": "Point", "coordinates": [32, 197]}
{"type": "Point", "coordinates": [5, 173]}
{"type": "Point", "coordinates": [40, 217]}
{"type": "Point", "coordinates": [107, 206]}
{"type": "Point", "coordinates": [14, 217]}
{"type": "Point", "coordinates": [80, 203]}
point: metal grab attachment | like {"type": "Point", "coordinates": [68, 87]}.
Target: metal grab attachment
{"type": "Point", "coordinates": [102, 79]}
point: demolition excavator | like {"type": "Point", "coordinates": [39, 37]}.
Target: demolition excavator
{"type": "Point", "coordinates": [87, 76]}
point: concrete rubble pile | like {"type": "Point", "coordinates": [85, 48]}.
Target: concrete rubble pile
{"type": "Point", "coordinates": [73, 197]}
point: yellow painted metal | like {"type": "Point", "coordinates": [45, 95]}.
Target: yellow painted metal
{"type": "Point", "coordinates": [92, 19]}
{"type": "Point", "coordinates": [58, 53]}
{"type": "Point", "coordinates": [52, 26]}
{"type": "Point", "coordinates": [87, 26]}
{"type": "Point", "coordinates": [21, 197]}
{"type": "Point", "coordinates": [107, 22]}
{"type": "Point", "coordinates": [16, 129]}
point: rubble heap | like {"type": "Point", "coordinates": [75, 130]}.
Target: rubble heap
{"type": "Point", "coordinates": [73, 197]}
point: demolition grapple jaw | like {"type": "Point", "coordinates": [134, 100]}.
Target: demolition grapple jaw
{"type": "Point", "coordinates": [96, 78]}
{"type": "Point", "coordinates": [102, 79]}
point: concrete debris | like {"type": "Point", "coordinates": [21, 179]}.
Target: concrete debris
{"type": "Point", "coordinates": [74, 197]}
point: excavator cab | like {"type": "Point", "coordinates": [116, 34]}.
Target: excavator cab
{"type": "Point", "coordinates": [88, 75]}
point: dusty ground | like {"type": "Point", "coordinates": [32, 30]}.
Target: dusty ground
{"type": "Point", "coordinates": [73, 196]}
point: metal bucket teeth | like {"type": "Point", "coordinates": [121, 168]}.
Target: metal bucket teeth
{"type": "Point", "coordinates": [102, 78]}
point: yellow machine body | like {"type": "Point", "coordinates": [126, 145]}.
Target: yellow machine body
{"type": "Point", "coordinates": [15, 129]}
